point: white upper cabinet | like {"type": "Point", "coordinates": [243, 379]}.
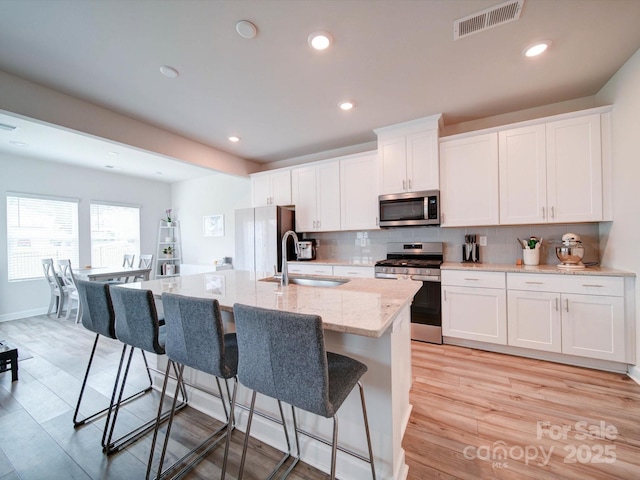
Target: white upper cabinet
{"type": "Point", "coordinates": [469, 181]}
{"type": "Point", "coordinates": [316, 196]}
{"type": "Point", "coordinates": [574, 170]}
{"type": "Point", "coordinates": [408, 156]}
{"type": "Point", "coordinates": [523, 175]}
{"type": "Point", "coordinates": [551, 173]}
{"type": "Point", "coordinates": [271, 188]}
{"type": "Point", "coordinates": [359, 192]}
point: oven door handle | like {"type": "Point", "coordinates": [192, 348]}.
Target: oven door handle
{"type": "Point", "coordinates": [426, 278]}
{"type": "Point", "coordinates": [391, 276]}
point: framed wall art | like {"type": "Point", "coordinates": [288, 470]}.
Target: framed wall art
{"type": "Point", "coordinates": [213, 225]}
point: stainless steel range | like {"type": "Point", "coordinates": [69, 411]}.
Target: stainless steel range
{"type": "Point", "coordinates": [418, 261]}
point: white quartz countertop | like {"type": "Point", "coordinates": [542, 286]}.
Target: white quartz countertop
{"type": "Point", "coordinates": [543, 269]}
{"type": "Point", "coordinates": [362, 306]}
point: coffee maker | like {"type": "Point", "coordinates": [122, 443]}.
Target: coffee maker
{"type": "Point", "coordinates": [307, 249]}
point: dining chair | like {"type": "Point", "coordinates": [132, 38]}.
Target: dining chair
{"type": "Point", "coordinates": [282, 355]}
{"type": "Point", "coordinates": [65, 272]}
{"type": "Point", "coordinates": [127, 261]}
{"type": "Point", "coordinates": [145, 261]}
{"type": "Point", "coordinates": [55, 285]}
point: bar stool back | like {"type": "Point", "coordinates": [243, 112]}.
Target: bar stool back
{"type": "Point", "coordinates": [98, 316]}
{"type": "Point", "coordinates": [137, 326]}
{"type": "Point", "coordinates": [196, 338]}
{"type": "Point", "coordinates": [282, 355]}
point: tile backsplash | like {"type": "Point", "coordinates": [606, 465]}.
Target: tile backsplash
{"type": "Point", "coordinates": [502, 245]}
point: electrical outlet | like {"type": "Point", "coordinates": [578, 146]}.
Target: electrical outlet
{"type": "Point", "coordinates": [483, 241]}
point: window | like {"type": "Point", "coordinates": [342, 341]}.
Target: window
{"type": "Point", "coordinates": [115, 231]}
{"type": "Point", "coordinates": [39, 227]}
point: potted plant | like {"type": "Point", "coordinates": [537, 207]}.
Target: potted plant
{"type": "Point", "coordinates": [168, 251]}
{"type": "Point", "coordinates": [168, 219]}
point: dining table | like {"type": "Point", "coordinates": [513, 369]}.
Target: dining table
{"type": "Point", "coordinates": [98, 274]}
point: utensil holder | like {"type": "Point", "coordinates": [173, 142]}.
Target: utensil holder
{"type": "Point", "coordinates": [531, 256]}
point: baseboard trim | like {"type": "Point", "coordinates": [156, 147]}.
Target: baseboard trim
{"type": "Point", "coordinates": [634, 373]}
{"type": "Point", "coordinates": [24, 314]}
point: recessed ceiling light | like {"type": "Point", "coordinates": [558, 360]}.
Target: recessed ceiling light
{"type": "Point", "coordinates": [320, 40]}
{"type": "Point", "coordinates": [246, 29]}
{"type": "Point", "coordinates": [537, 49]}
{"type": "Point", "coordinates": [114, 154]}
{"type": "Point", "coordinates": [110, 166]}
{"type": "Point", "coordinates": [348, 105]}
{"type": "Point", "coordinates": [168, 71]}
{"type": "Point", "coordinates": [17, 143]}
{"type": "Point", "coordinates": [234, 139]}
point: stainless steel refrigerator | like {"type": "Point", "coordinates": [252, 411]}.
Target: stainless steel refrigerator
{"type": "Point", "coordinates": [258, 237]}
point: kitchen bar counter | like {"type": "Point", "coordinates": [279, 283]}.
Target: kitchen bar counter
{"type": "Point", "coordinates": [543, 269]}
{"type": "Point", "coordinates": [367, 319]}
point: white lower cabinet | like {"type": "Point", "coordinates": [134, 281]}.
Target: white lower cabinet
{"type": "Point", "coordinates": [574, 314]}
{"type": "Point", "coordinates": [593, 326]}
{"type": "Point", "coordinates": [474, 306]}
{"type": "Point", "coordinates": [533, 320]}
{"type": "Point", "coordinates": [353, 271]}
{"type": "Point", "coordinates": [310, 269]}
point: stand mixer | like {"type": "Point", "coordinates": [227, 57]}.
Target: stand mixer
{"type": "Point", "coordinates": [571, 252]}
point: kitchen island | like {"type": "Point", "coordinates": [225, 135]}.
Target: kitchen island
{"type": "Point", "coordinates": [367, 319]}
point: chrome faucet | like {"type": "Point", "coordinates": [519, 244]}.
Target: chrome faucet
{"type": "Point", "coordinates": [285, 274]}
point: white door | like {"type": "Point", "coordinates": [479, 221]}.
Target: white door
{"type": "Point", "coordinates": [423, 165]}
{"type": "Point", "coordinates": [523, 175]}
{"type": "Point", "coordinates": [393, 165]}
{"type": "Point", "coordinates": [475, 314]}
{"type": "Point", "coordinates": [574, 170]}
{"type": "Point", "coordinates": [469, 181]}
{"type": "Point", "coordinates": [303, 190]}
{"type": "Point", "coordinates": [593, 326]}
{"type": "Point", "coordinates": [534, 320]}
{"type": "Point", "coordinates": [359, 192]}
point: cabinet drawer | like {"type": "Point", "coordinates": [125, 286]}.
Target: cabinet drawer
{"type": "Point", "coordinates": [470, 278]}
{"type": "Point", "coordinates": [309, 269]}
{"type": "Point", "coordinates": [352, 271]}
{"type": "Point", "coordinates": [580, 284]}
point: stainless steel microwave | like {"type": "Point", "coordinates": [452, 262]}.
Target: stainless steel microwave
{"type": "Point", "coordinates": [412, 209]}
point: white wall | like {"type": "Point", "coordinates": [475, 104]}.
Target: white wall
{"type": "Point", "coordinates": [619, 239]}
{"type": "Point", "coordinates": [23, 174]}
{"type": "Point", "coordinates": [212, 195]}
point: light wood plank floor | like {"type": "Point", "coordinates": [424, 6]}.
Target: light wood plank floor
{"type": "Point", "coordinates": [468, 408]}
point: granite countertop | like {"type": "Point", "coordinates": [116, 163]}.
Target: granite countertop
{"type": "Point", "coordinates": [362, 306]}
{"type": "Point", "coordinates": [544, 269]}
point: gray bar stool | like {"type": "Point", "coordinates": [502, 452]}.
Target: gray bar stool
{"type": "Point", "coordinates": [98, 317]}
{"type": "Point", "coordinates": [137, 326]}
{"type": "Point", "coordinates": [282, 355]}
{"type": "Point", "coordinates": [196, 339]}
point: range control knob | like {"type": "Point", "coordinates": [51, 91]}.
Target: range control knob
{"type": "Point", "coordinates": [406, 270]}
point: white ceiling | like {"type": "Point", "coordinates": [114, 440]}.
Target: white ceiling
{"type": "Point", "coordinates": [395, 58]}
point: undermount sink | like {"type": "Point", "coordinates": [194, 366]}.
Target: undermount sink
{"type": "Point", "coordinates": [312, 281]}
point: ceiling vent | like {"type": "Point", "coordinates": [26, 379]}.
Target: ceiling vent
{"type": "Point", "coordinates": [488, 18]}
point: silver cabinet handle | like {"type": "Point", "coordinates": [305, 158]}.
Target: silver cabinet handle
{"type": "Point", "coordinates": [566, 304]}
{"type": "Point", "coordinates": [319, 223]}
{"type": "Point", "coordinates": [404, 184]}
{"type": "Point", "coordinates": [377, 222]}
{"type": "Point", "coordinates": [534, 283]}
{"type": "Point", "coordinates": [543, 217]}
{"type": "Point", "coordinates": [471, 279]}
{"type": "Point", "coordinates": [553, 212]}
{"type": "Point", "coordinates": [445, 295]}
{"type": "Point", "coordinates": [556, 304]}
{"type": "Point", "coordinates": [409, 182]}
{"type": "Point", "coordinates": [592, 285]}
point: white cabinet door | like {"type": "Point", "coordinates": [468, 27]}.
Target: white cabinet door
{"type": "Point", "coordinates": [423, 165]}
{"type": "Point", "coordinates": [359, 192]}
{"type": "Point", "coordinates": [534, 320]}
{"type": "Point", "coordinates": [393, 164]}
{"type": "Point", "coordinates": [475, 314]}
{"type": "Point", "coordinates": [574, 170]}
{"type": "Point", "coordinates": [469, 181]}
{"type": "Point", "coordinates": [353, 271]}
{"type": "Point", "coordinates": [593, 326]}
{"type": "Point", "coordinates": [281, 187]}
{"type": "Point", "coordinates": [303, 182]}
{"type": "Point", "coordinates": [309, 269]}
{"type": "Point", "coordinates": [316, 196]}
{"type": "Point", "coordinates": [523, 175]}
{"type": "Point", "coordinates": [328, 197]}
{"type": "Point", "coordinates": [272, 188]}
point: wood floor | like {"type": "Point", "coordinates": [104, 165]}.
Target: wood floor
{"type": "Point", "coordinates": [476, 415]}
